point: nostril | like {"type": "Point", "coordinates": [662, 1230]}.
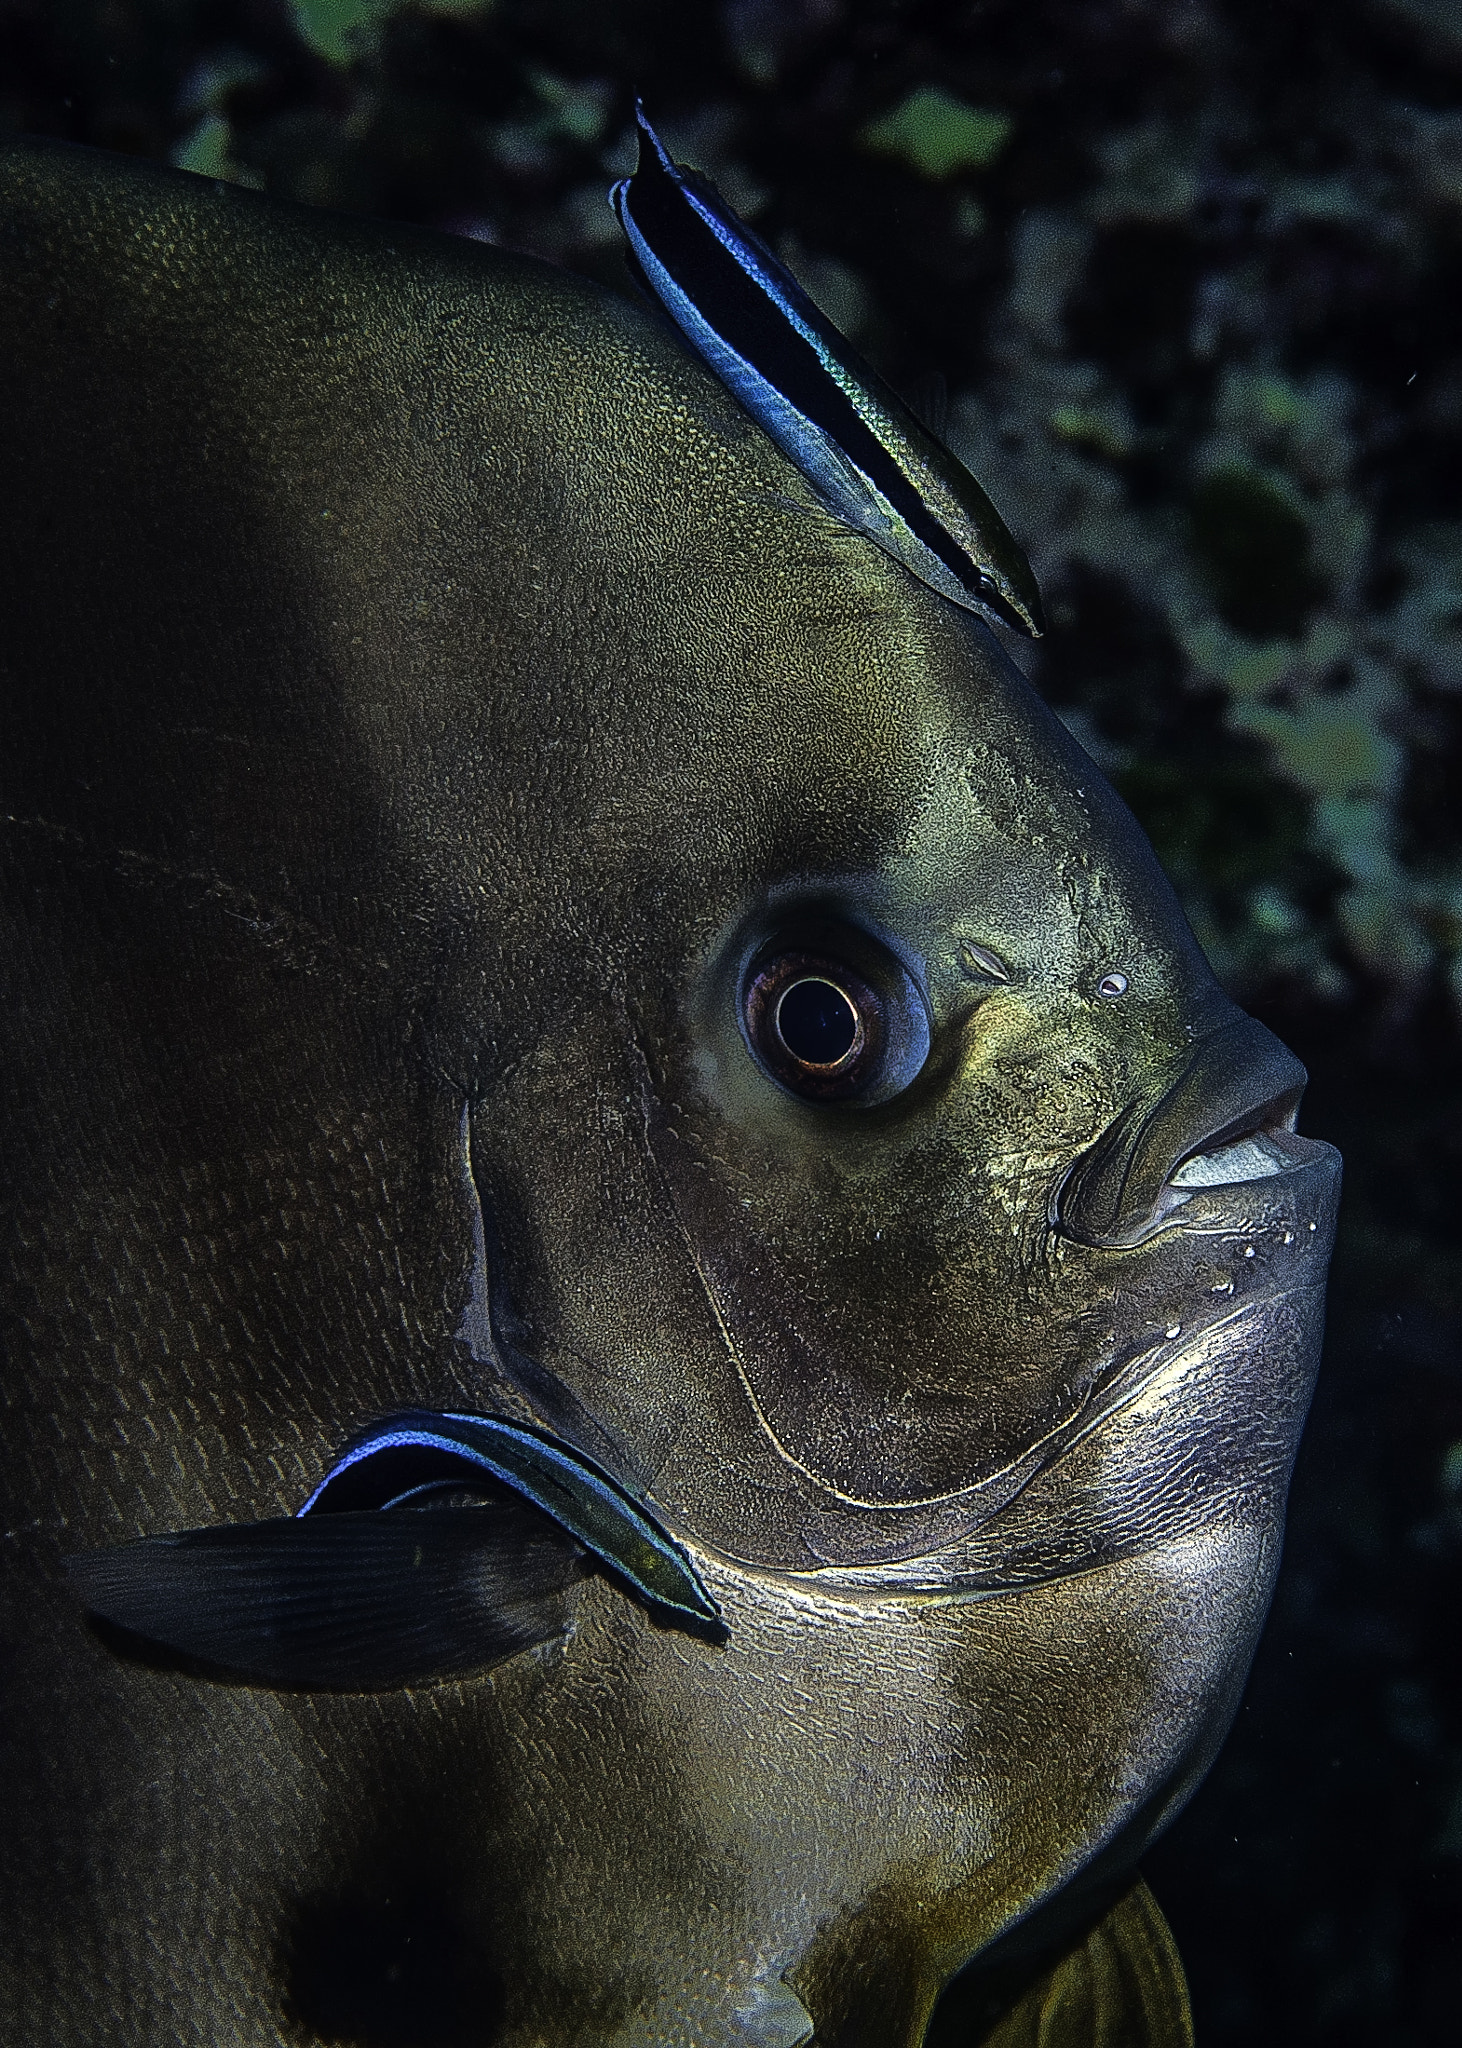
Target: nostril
{"type": "Point", "coordinates": [1220, 1120]}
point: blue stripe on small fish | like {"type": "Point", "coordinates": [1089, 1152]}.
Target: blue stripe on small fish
{"type": "Point", "coordinates": [860, 447]}
{"type": "Point", "coordinates": [414, 1452]}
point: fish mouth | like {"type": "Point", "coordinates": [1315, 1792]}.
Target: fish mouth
{"type": "Point", "coordinates": [1226, 1121]}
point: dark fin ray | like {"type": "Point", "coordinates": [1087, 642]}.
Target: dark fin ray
{"type": "Point", "coordinates": [348, 1602]}
{"type": "Point", "coordinates": [1120, 1985]}
{"type": "Point", "coordinates": [928, 400]}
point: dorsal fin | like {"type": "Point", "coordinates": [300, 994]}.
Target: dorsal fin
{"type": "Point", "coordinates": [928, 400]}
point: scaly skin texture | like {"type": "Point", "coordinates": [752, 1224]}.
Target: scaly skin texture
{"type": "Point", "coordinates": [423, 692]}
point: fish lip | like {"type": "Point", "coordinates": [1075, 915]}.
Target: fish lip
{"type": "Point", "coordinates": [1297, 1157]}
{"type": "Point", "coordinates": [1238, 1083]}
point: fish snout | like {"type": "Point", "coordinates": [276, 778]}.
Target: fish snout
{"type": "Point", "coordinates": [1227, 1117]}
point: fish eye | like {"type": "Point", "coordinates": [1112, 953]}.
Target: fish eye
{"type": "Point", "coordinates": [830, 1031]}
{"type": "Point", "coordinates": [820, 1024]}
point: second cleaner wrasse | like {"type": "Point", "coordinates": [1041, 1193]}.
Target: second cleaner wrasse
{"type": "Point", "coordinates": [861, 448]}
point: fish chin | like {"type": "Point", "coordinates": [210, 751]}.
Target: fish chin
{"type": "Point", "coordinates": [1194, 1424]}
{"type": "Point", "coordinates": [1039, 1697]}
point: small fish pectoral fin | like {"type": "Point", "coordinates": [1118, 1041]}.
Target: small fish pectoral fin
{"type": "Point", "coordinates": [1121, 1986]}
{"type": "Point", "coordinates": [345, 1602]}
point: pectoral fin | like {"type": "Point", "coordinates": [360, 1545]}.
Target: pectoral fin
{"type": "Point", "coordinates": [350, 1602]}
{"type": "Point", "coordinates": [1122, 1986]}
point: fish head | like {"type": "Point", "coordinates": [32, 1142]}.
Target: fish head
{"type": "Point", "coordinates": [875, 1177]}
{"type": "Point", "coordinates": [857, 1123]}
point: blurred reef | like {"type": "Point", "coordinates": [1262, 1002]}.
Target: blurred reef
{"type": "Point", "coordinates": [1188, 271]}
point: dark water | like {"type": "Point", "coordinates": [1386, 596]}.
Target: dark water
{"type": "Point", "coordinates": [1189, 273]}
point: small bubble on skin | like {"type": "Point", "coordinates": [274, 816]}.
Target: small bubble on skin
{"type": "Point", "coordinates": [1173, 1330]}
{"type": "Point", "coordinates": [1314, 1226]}
{"type": "Point", "coordinates": [1248, 1251]}
{"type": "Point", "coordinates": [1112, 985]}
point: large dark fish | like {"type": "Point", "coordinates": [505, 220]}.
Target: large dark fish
{"type": "Point", "coordinates": [514, 912]}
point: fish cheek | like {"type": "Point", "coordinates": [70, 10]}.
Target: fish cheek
{"type": "Point", "coordinates": [904, 1275]}
{"type": "Point", "coordinates": [597, 1298]}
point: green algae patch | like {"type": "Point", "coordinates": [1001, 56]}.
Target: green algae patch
{"type": "Point", "coordinates": [938, 135]}
{"type": "Point", "coordinates": [336, 28]}
{"type": "Point", "coordinates": [1253, 545]}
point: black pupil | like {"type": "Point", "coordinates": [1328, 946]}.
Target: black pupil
{"type": "Point", "coordinates": [817, 1023]}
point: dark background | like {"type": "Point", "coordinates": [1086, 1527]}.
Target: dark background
{"type": "Point", "coordinates": [1188, 269]}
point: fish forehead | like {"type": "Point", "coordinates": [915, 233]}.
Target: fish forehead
{"type": "Point", "coordinates": [871, 744]}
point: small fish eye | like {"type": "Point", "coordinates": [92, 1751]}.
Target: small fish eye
{"type": "Point", "coordinates": [1113, 984]}
{"type": "Point", "coordinates": [832, 1032]}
